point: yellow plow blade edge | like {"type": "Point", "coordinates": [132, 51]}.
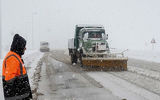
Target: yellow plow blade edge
{"type": "Point", "coordinates": [106, 63]}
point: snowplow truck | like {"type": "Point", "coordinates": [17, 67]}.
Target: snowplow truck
{"type": "Point", "coordinates": [90, 47]}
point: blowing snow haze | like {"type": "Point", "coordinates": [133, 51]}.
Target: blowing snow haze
{"type": "Point", "coordinates": [131, 24]}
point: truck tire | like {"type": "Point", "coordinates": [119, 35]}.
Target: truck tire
{"type": "Point", "coordinates": [80, 59]}
{"type": "Point", "coordinates": [73, 59]}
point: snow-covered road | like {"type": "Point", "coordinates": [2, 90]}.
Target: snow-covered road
{"type": "Point", "coordinates": [60, 82]}
{"type": "Point", "coordinates": [53, 77]}
{"type": "Point", "coordinates": [122, 88]}
{"type": "Point", "coordinates": [140, 82]}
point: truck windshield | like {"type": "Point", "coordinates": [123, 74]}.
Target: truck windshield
{"type": "Point", "coordinates": [44, 43]}
{"type": "Point", "coordinates": [95, 35]}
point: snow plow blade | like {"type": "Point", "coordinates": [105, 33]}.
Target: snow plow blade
{"type": "Point", "coordinates": [106, 63]}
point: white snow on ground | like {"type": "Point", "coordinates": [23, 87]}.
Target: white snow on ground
{"type": "Point", "coordinates": [122, 88]}
{"type": "Point", "coordinates": [125, 89]}
{"type": "Point", "coordinates": [31, 59]}
{"type": "Point", "coordinates": [1, 61]}
{"type": "Point", "coordinates": [145, 72]}
{"type": "Point", "coordinates": [148, 55]}
{"type": "Point", "coordinates": [1, 89]}
{"type": "Point", "coordinates": [66, 52]}
{"type": "Point", "coordinates": [144, 54]}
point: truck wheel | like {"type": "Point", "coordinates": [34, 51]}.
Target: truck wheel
{"type": "Point", "coordinates": [80, 59]}
{"type": "Point", "coordinates": [74, 59]}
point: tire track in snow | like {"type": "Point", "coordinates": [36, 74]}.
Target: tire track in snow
{"type": "Point", "coordinates": [122, 87]}
{"type": "Point", "coordinates": [141, 81]}
{"type": "Point", "coordinates": [145, 72]}
{"type": "Point", "coordinates": [153, 66]}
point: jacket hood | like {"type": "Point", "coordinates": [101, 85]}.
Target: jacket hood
{"type": "Point", "coordinates": [18, 44]}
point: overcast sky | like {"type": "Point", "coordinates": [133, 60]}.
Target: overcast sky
{"type": "Point", "coordinates": [131, 24]}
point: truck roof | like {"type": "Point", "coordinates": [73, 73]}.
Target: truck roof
{"type": "Point", "coordinates": [89, 26]}
{"type": "Point", "coordinates": [91, 30]}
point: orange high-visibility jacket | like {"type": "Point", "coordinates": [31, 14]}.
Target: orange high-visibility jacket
{"type": "Point", "coordinates": [11, 66]}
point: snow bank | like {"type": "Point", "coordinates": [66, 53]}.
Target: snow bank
{"type": "Point", "coordinates": [1, 89]}
{"type": "Point", "coordinates": [152, 55]}
{"type": "Point", "coordinates": [148, 55]}
{"type": "Point", "coordinates": [31, 59]}
{"type": "Point", "coordinates": [1, 62]}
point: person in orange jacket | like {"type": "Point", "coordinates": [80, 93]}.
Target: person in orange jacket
{"type": "Point", "coordinates": [15, 79]}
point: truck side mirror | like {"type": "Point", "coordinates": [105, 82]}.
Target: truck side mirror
{"type": "Point", "coordinates": [105, 36]}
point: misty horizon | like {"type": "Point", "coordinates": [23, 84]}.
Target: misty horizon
{"type": "Point", "coordinates": [130, 24]}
